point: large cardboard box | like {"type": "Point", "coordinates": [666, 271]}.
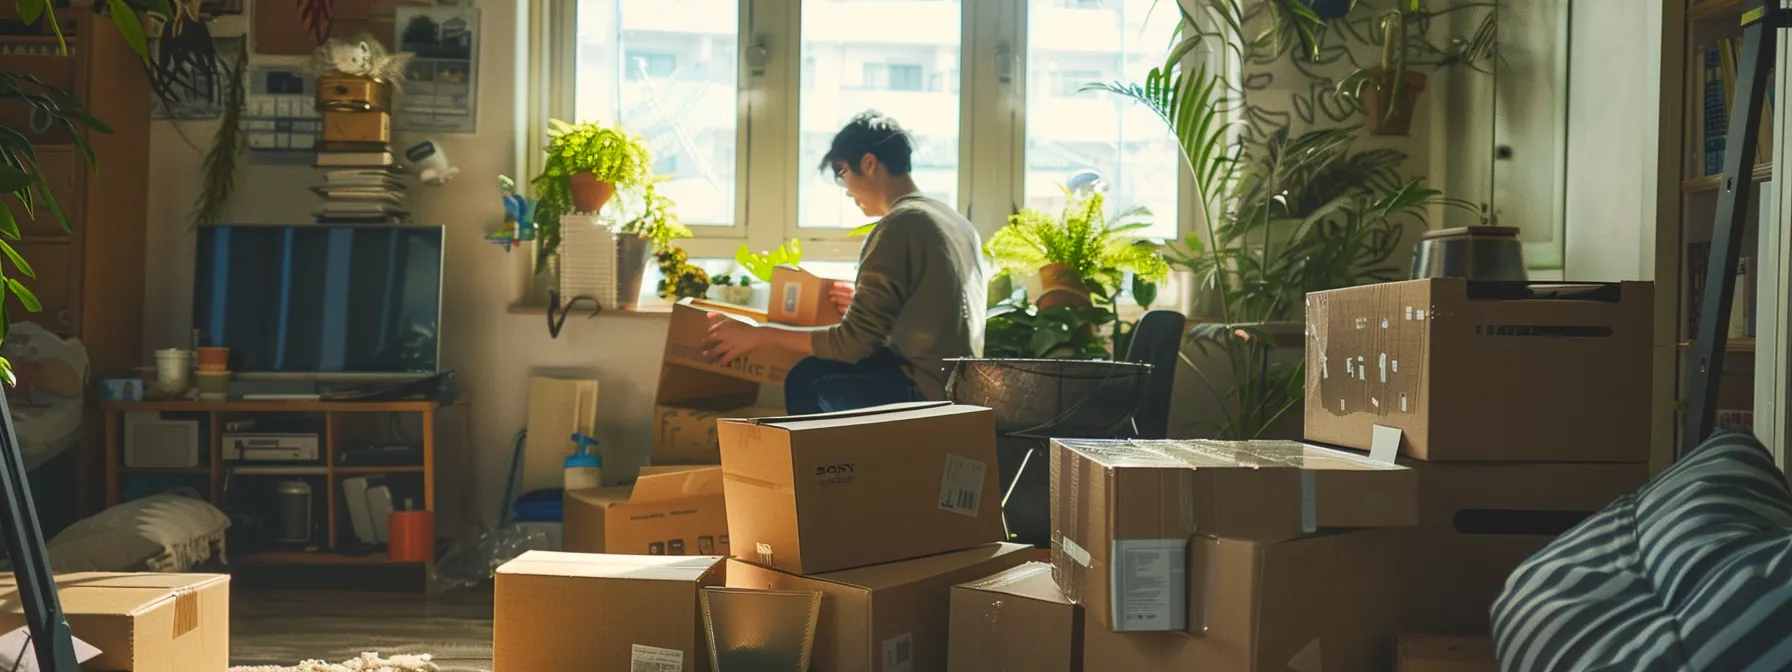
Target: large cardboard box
{"type": "Point", "coordinates": [1435, 653]}
{"type": "Point", "coordinates": [1478, 522]}
{"type": "Point", "coordinates": [585, 611]}
{"type": "Point", "coordinates": [1015, 621]}
{"type": "Point", "coordinates": [140, 622]}
{"type": "Point", "coordinates": [1123, 513]}
{"type": "Point", "coordinates": [690, 326]}
{"type": "Point", "coordinates": [801, 298]}
{"type": "Point", "coordinates": [891, 617]}
{"type": "Point", "coordinates": [1315, 603]}
{"type": "Point", "coordinates": [687, 434]}
{"type": "Point", "coordinates": [668, 511]}
{"type": "Point", "coordinates": [1483, 371]}
{"type": "Point", "coordinates": [818, 493]}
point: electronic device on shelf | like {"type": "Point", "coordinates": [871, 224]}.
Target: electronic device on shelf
{"type": "Point", "coordinates": [302, 307]}
{"type": "Point", "coordinates": [265, 447]}
{"type": "Point", "coordinates": [151, 441]}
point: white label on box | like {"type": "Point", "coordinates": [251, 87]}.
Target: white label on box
{"type": "Point", "coordinates": [961, 487]}
{"type": "Point", "coordinates": [899, 653]}
{"type": "Point", "coordinates": [1150, 584]}
{"type": "Point", "coordinates": [1384, 442]}
{"type": "Point", "coordinates": [654, 659]}
{"type": "Point", "coordinates": [793, 295]}
{"type": "Point", "coordinates": [1077, 553]}
{"type": "Point", "coordinates": [18, 655]}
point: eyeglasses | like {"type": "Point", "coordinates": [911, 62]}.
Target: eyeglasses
{"type": "Point", "coordinates": [840, 167]}
{"type": "Point", "coordinates": [840, 174]}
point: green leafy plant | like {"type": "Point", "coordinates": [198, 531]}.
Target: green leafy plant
{"type": "Point", "coordinates": [1019, 329]}
{"type": "Point", "coordinates": [723, 280]}
{"type": "Point", "coordinates": [1404, 45]}
{"type": "Point", "coordinates": [656, 221]}
{"type": "Point", "coordinates": [1080, 239]}
{"type": "Point", "coordinates": [760, 264]}
{"type": "Point", "coordinates": [609, 153]}
{"type": "Point", "coordinates": [227, 147]}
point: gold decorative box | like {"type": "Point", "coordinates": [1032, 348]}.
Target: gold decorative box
{"type": "Point", "coordinates": [353, 94]}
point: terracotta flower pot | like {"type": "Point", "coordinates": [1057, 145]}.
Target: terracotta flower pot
{"type": "Point", "coordinates": [1061, 286]}
{"type": "Point", "coordinates": [1375, 105]}
{"type": "Point", "coordinates": [588, 193]}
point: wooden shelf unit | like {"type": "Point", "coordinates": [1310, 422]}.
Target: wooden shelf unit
{"type": "Point", "coordinates": [344, 425]}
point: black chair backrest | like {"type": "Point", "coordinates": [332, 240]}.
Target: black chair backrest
{"type": "Point", "coordinates": [1157, 340]}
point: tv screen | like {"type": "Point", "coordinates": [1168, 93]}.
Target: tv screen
{"type": "Point", "coordinates": [320, 299]}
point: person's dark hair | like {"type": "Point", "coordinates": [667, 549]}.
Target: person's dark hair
{"type": "Point", "coordinates": [871, 133]}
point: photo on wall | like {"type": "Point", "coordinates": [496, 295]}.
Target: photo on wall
{"type": "Point", "coordinates": [440, 85]}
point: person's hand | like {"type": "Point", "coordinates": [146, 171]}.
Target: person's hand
{"type": "Point", "coordinates": [841, 295]}
{"type": "Point", "coordinates": [729, 339]}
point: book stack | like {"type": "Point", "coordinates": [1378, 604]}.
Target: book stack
{"type": "Point", "coordinates": [1717, 69]}
{"type": "Point", "coordinates": [361, 184]}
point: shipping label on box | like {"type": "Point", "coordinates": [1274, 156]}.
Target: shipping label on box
{"type": "Point", "coordinates": [1483, 371]}
{"type": "Point", "coordinates": [690, 328]}
{"type": "Point", "coordinates": [549, 612]}
{"type": "Point", "coordinates": [818, 493]}
{"type": "Point", "coordinates": [1320, 603]}
{"type": "Point", "coordinates": [1124, 511]}
{"type": "Point", "coordinates": [801, 298]}
{"type": "Point", "coordinates": [1017, 619]}
{"type": "Point", "coordinates": [892, 617]}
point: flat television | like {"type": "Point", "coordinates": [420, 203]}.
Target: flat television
{"type": "Point", "coordinates": [321, 301]}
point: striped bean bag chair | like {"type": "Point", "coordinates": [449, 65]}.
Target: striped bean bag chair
{"type": "Point", "coordinates": [1693, 572]}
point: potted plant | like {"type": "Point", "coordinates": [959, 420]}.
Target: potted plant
{"type": "Point", "coordinates": [1077, 254]}
{"type": "Point", "coordinates": [586, 164]}
{"type": "Point", "coordinates": [1299, 215]}
{"type": "Point", "coordinates": [683, 279]}
{"type": "Point", "coordinates": [650, 230]}
{"type": "Point", "coordinates": [1389, 93]}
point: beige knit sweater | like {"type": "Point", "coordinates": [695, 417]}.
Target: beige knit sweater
{"type": "Point", "coordinates": [920, 293]}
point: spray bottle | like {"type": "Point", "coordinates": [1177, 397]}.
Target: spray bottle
{"type": "Point", "coordinates": [584, 468]}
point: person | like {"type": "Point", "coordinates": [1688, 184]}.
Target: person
{"type": "Point", "coordinates": [918, 299]}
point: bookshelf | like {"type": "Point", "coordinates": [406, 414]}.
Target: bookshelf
{"type": "Point", "coordinates": [1709, 44]}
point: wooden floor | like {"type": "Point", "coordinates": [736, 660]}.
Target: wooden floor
{"type": "Point", "coordinates": [271, 627]}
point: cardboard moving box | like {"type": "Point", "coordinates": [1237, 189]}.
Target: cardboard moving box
{"type": "Point", "coordinates": [1123, 513]}
{"type": "Point", "coordinates": [687, 434]}
{"type": "Point", "coordinates": [690, 326]}
{"type": "Point", "coordinates": [1435, 653]}
{"type": "Point", "coordinates": [1568, 364]}
{"type": "Point", "coordinates": [668, 511]}
{"type": "Point", "coordinates": [817, 493]}
{"type": "Point", "coordinates": [801, 298]}
{"type": "Point", "coordinates": [1324, 603]}
{"type": "Point", "coordinates": [1478, 522]}
{"type": "Point", "coordinates": [581, 611]}
{"type": "Point", "coordinates": [884, 618]}
{"type": "Point", "coordinates": [140, 622]}
{"type": "Point", "coordinates": [1015, 621]}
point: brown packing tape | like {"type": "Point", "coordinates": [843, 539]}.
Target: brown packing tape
{"type": "Point", "coordinates": [186, 610]}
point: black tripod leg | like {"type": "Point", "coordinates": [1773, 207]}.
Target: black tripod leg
{"type": "Point", "coordinates": [49, 630]}
{"type": "Point", "coordinates": [1760, 37]}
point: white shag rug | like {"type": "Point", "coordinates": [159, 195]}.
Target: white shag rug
{"type": "Point", "coordinates": [368, 662]}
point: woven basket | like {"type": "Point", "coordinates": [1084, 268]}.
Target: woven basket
{"type": "Point", "coordinates": [588, 260]}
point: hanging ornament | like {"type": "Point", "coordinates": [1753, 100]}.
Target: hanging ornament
{"type": "Point", "coordinates": [317, 15]}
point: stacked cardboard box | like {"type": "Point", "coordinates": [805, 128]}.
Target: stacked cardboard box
{"type": "Point", "coordinates": [140, 622]}
{"type": "Point", "coordinates": [668, 511]}
{"type": "Point", "coordinates": [882, 511]}
{"type": "Point", "coordinates": [557, 611]}
{"type": "Point", "coordinates": [1251, 555]}
{"type": "Point", "coordinates": [1522, 407]}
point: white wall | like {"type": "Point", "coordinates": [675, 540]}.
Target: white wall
{"type": "Point", "coordinates": [493, 351]}
{"type": "Point", "coordinates": [1612, 132]}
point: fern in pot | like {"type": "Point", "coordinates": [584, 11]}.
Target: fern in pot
{"type": "Point", "coordinates": [586, 164]}
{"type": "Point", "coordinates": [1080, 257]}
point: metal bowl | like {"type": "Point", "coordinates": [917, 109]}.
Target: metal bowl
{"type": "Point", "coordinates": [1058, 398]}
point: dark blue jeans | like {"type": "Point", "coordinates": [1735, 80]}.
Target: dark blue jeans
{"type": "Point", "coordinates": [817, 385]}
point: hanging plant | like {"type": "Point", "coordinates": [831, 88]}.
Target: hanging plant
{"type": "Point", "coordinates": [186, 61]}
{"type": "Point", "coordinates": [318, 16]}
{"type": "Point", "coordinates": [220, 162]}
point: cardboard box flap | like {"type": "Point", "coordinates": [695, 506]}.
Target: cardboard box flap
{"type": "Point", "coordinates": [782, 420]}
{"type": "Point", "coordinates": [1032, 581]}
{"type": "Point", "coordinates": [657, 469]}
{"type": "Point", "coordinates": [610, 566]}
{"type": "Point", "coordinates": [601, 497]}
{"type": "Point", "coordinates": [741, 313]}
{"type": "Point", "coordinates": [681, 483]}
{"type": "Point", "coordinates": [113, 594]}
{"type": "Point", "coordinates": [893, 574]}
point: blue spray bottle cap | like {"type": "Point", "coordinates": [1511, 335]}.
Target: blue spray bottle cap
{"type": "Point", "coordinates": [586, 455]}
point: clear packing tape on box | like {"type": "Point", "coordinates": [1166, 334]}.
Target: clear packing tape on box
{"type": "Point", "coordinates": [1128, 514]}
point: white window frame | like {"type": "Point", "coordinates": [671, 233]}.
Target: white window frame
{"type": "Point", "coordinates": [992, 114]}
